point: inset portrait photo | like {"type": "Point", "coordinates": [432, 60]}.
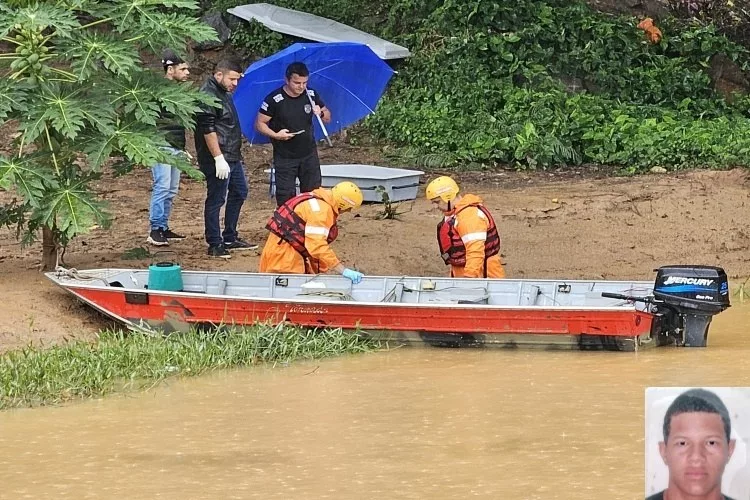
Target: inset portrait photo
{"type": "Point", "coordinates": [696, 443]}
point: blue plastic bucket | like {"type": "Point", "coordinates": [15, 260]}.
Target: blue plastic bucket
{"type": "Point", "coordinates": [165, 276]}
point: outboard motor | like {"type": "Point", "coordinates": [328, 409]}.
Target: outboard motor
{"type": "Point", "coordinates": [691, 295]}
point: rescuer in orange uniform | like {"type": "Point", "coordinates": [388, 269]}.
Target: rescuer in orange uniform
{"type": "Point", "coordinates": [467, 235]}
{"type": "Point", "coordinates": [302, 229]}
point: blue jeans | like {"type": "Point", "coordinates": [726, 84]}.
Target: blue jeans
{"type": "Point", "coordinates": [164, 189]}
{"type": "Point", "coordinates": [233, 192]}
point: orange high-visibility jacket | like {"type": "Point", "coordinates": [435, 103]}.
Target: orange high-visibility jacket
{"type": "Point", "coordinates": [471, 225]}
{"type": "Point", "coordinates": [319, 215]}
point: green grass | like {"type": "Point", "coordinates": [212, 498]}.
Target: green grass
{"type": "Point", "coordinates": [120, 361]}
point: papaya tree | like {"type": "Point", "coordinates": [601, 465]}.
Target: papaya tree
{"type": "Point", "coordinates": [76, 99]}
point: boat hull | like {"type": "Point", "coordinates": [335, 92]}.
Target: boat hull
{"type": "Point", "coordinates": [459, 325]}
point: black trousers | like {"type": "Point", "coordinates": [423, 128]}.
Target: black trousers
{"type": "Point", "coordinates": [288, 170]}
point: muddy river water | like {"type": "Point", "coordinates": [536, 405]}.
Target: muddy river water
{"type": "Point", "coordinates": [408, 423]}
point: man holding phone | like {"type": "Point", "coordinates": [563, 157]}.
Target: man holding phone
{"type": "Point", "coordinates": [286, 116]}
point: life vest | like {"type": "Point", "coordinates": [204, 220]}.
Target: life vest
{"type": "Point", "coordinates": [452, 248]}
{"type": "Point", "coordinates": [290, 227]}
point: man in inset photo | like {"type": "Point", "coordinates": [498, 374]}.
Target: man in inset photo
{"type": "Point", "coordinates": [696, 446]}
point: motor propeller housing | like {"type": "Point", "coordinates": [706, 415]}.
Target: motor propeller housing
{"type": "Point", "coordinates": [692, 295]}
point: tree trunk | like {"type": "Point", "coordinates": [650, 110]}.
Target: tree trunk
{"type": "Point", "coordinates": [49, 250]}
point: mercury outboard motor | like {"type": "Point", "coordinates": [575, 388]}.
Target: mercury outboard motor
{"type": "Point", "coordinates": [688, 297]}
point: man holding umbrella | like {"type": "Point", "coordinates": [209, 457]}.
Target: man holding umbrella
{"type": "Point", "coordinates": [285, 116]}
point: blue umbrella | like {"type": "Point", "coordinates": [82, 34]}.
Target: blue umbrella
{"type": "Point", "coordinates": [349, 77]}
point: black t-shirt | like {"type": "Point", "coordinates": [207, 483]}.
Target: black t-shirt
{"type": "Point", "coordinates": [174, 131]}
{"type": "Point", "coordinates": [294, 114]}
{"type": "Point", "coordinates": [660, 496]}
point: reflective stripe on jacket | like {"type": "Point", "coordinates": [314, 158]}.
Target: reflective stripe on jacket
{"type": "Point", "coordinates": [469, 240]}
{"type": "Point", "coordinates": [290, 227]}
{"type": "Point", "coordinates": [299, 243]}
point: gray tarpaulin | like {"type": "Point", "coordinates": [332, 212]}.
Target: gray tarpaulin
{"type": "Point", "coordinates": [311, 27]}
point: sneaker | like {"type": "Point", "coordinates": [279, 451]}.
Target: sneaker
{"type": "Point", "coordinates": [239, 244]}
{"type": "Point", "coordinates": [156, 237]}
{"type": "Point", "coordinates": [171, 235]}
{"type": "Point", "coordinates": [219, 251]}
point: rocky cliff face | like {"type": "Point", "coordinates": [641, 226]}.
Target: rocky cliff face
{"type": "Point", "coordinates": [650, 8]}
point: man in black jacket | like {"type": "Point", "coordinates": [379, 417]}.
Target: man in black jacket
{"type": "Point", "coordinates": [217, 141]}
{"type": "Point", "coordinates": [166, 178]}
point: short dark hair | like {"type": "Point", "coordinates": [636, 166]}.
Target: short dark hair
{"type": "Point", "coordinates": [697, 400]}
{"type": "Point", "coordinates": [297, 68]}
{"type": "Point", "coordinates": [228, 64]}
{"type": "Point", "coordinates": [170, 58]}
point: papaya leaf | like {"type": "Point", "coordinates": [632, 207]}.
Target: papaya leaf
{"type": "Point", "coordinates": [140, 144]}
{"type": "Point", "coordinates": [29, 178]}
{"type": "Point", "coordinates": [12, 98]}
{"type": "Point", "coordinates": [88, 52]}
{"type": "Point", "coordinates": [171, 30]}
{"type": "Point", "coordinates": [65, 110]}
{"type": "Point", "coordinates": [181, 100]}
{"type": "Point", "coordinates": [98, 149]}
{"type": "Point", "coordinates": [78, 91]}
{"type": "Point", "coordinates": [73, 209]}
{"type": "Point", "coordinates": [38, 16]}
{"type": "Point", "coordinates": [136, 96]}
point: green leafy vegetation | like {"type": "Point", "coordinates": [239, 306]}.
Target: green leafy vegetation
{"type": "Point", "coordinates": [73, 83]}
{"type": "Point", "coordinates": [390, 209]}
{"type": "Point", "coordinates": [537, 83]}
{"type": "Point", "coordinates": [119, 361]}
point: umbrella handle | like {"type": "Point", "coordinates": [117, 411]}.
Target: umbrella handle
{"type": "Point", "coordinates": [272, 181]}
{"type": "Point", "coordinates": [320, 121]}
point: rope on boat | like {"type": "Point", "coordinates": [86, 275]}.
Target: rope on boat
{"type": "Point", "coordinates": [391, 295]}
{"type": "Point", "coordinates": [75, 274]}
{"type": "Point", "coordinates": [328, 293]}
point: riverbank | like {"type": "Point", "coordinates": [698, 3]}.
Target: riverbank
{"type": "Point", "coordinates": [119, 361]}
{"type": "Point", "coordinates": [582, 224]}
